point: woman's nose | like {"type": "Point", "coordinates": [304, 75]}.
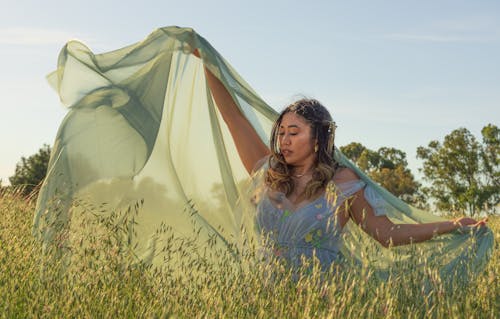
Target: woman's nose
{"type": "Point", "coordinates": [285, 139]}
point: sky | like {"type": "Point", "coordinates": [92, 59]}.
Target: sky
{"type": "Point", "coordinates": [392, 73]}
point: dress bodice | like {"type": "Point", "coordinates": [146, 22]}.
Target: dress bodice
{"type": "Point", "coordinates": [310, 228]}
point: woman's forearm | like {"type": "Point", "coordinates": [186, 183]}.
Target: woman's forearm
{"type": "Point", "coordinates": [225, 103]}
{"type": "Point", "coordinates": [403, 234]}
{"type": "Point", "coordinates": [248, 143]}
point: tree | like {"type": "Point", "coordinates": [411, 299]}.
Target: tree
{"type": "Point", "coordinates": [31, 171]}
{"type": "Point", "coordinates": [388, 167]}
{"type": "Point", "coordinates": [491, 157]}
{"type": "Point", "coordinates": [463, 173]}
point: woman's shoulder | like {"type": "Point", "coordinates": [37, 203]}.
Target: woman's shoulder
{"type": "Point", "coordinates": [344, 175]}
{"type": "Point", "coordinates": [346, 182]}
{"type": "Point", "coordinates": [263, 163]}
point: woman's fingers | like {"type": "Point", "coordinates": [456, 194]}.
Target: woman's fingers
{"type": "Point", "coordinates": [482, 222]}
{"type": "Point", "coordinates": [196, 53]}
{"type": "Point", "coordinates": [467, 221]}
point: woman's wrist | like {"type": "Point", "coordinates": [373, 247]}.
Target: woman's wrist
{"type": "Point", "coordinates": [449, 226]}
{"type": "Point", "coordinates": [456, 222]}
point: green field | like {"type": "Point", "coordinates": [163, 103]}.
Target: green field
{"type": "Point", "coordinates": [99, 285]}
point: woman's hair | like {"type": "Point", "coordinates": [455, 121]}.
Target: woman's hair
{"type": "Point", "coordinates": [279, 174]}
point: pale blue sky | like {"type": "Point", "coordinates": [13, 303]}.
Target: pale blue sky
{"type": "Point", "coordinates": [393, 73]}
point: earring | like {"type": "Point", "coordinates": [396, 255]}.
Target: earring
{"type": "Point", "coordinates": [316, 148]}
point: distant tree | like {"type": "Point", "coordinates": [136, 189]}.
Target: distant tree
{"type": "Point", "coordinates": [388, 167]}
{"type": "Point", "coordinates": [491, 158]}
{"type": "Point", "coordinates": [464, 174]}
{"type": "Point", "coordinates": [31, 171]}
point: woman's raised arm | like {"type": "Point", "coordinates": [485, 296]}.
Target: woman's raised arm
{"type": "Point", "coordinates": [248, 143]}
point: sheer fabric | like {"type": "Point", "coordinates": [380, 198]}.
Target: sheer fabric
{"type": "Point", "coordinates": [143, 128]}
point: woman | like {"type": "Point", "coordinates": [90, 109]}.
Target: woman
{"type": "Point", "coordinates": [299, 167]}
{"type": "Point", "coordinates": [142, 127]}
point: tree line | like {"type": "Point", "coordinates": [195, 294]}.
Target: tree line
{"type": "Point", "coordinates": [461, 174]}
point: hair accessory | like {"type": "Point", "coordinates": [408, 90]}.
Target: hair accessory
{"type": "Point", "coordinates": [331, 131]}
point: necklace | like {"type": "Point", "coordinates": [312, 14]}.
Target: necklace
{"type": "Point", "coordinates": [301, 175]}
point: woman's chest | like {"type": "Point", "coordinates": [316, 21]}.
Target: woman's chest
{"type": "Point", "coordinates": [310, 222]}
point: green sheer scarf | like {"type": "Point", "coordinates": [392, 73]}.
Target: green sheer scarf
{"type": "Point", "coordinates": [142, 131]}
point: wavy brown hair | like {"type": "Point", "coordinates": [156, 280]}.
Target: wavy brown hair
{"type": "Point", "coordinates": [279, 174]}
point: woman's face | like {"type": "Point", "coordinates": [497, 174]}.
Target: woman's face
{"type": "Point", "coordinates": [295, 140]}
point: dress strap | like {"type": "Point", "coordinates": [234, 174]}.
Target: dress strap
{"type": "Point", "coordinates": [380, 206]}
{"type": "Point", "coordinates": [347, 189]}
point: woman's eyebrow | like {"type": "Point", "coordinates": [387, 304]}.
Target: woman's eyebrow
{"type": "Point", "coordinates": [291, 125]}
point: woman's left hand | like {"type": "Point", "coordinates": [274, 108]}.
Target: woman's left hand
{"type": "Point", "coordinates": [196, 53]}
{"type": "Point", "coordinates": [471, 222]}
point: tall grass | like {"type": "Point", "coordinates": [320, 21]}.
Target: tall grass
{"type": "Point", "coordinates": [100, 281]}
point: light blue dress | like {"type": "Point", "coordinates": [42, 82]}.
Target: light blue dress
{"type": "Point", "coordinates": [310, 228]}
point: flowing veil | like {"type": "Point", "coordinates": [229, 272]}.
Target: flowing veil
{"type": "Point", "coordinates": [142, 131]}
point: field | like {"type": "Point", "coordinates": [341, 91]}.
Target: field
{"type": "Point", "coordinates": [100, 285]}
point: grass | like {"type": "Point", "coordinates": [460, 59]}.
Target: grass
{"type": "Point", "coordinates": [102, 283]}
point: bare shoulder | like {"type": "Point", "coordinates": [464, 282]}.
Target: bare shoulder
{"type": "Point", "coordinates": [344, 174]}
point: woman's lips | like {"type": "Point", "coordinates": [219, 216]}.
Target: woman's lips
{"type": "Point", "coordinates": [286, 152]}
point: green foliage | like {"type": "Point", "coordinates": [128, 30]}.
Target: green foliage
{"type": "Point", "coordinates": [388, 167]}
{"type": "Point", "coordinates": [464, 174]}
{"type": "Point", "coordinates": [31, 171]}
